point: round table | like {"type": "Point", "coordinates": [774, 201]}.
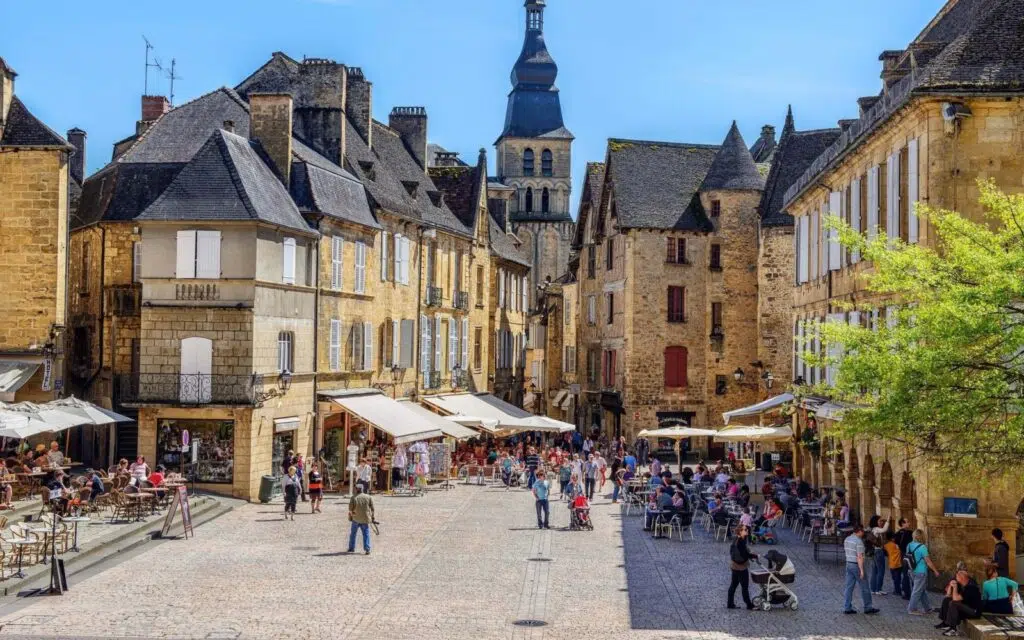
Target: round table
{"type": "Point", "coordinates": [21, 544]}
{"type": "Point", "coordinates": [75, 520]}
{"type": "Point", "coordinates": [138, 498]}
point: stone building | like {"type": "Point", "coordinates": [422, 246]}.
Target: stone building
{"type": "Point", "coordinates": [660, 341]}
{"type": "Point", "coordinates": [554, 323]}
{"type": "Point", "coordinates": [35, 186]}
{"type": "Point", "coordinates": [949, 113]}
{"type": "Point", "coordinates": [535, 157]}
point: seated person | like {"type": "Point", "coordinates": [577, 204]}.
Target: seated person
{"type": "Point", "coordinates": [803, 489]}
{"type": "Point", "coordinates": [721, 479]}
{"type": "Point", "coordinates": [719, 469]}
{"type": "Point", "coordinates": [843, 520]}
{"type": "Point", "coordinates": [746, 519]}
{"type": "Point", "coordinates": [121, 468]}
{"type": "Point", "coordinates": [771, 511]}
{"type": "Point", "coordinates": [663, 498]}
{"type": "Point", "coordinates": [731, 488]}
{"type": "Point", "coordinates": [743, 498]}
{"type": "Point", "coordinates": [687, 475]}
{"type": "Point", "coordinates": [767, 489]}
{"type": "Point", "coordinates": [54, 456]}
{"type": "Point", "coordinates": [679, 502]}
{"type": "Point", "coordinates": [962, 602]}
{"type": "Point", "coordinates": [997, 592]}
{"type": "Point", "coordinates": [157, 479]}
{"type": "Point", "coordinates": [6, 478]}
{"type": "Point", "coordinates": [716, 508]}
{"type": "Point", "coordinates": [59, 494]}
{"type": "Point", "coordinates": [95, 484]}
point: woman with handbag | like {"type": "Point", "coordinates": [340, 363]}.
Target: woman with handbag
{"type": "Point", "coordinates": [998, 593]}
{"type": "Point", "coordinates": [739, 562]}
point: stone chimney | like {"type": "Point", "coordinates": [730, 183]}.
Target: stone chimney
{"type": "Point", "coordinates": [446, 159]}
{"type": "Point", "coordinates": [270, 123]}
{"type": "Point", "coordinates": [7, 76]}
{"type": "Point", "coordinates": [768, 133]}
{"type": "Point", "coordinates": [866, 103]}
{"type": "Point", "coordinates": [77, 163]}
{"type": "Point", "coordinates": [411, 125]}
{"type": "Point", "coordinates": [359, 104]}
{"type": "Point", "coordinates": [319, 98]}
{"type": "Point", "coordinates": [153, 107]}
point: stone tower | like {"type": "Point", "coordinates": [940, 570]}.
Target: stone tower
{"type": "Point", "coordinates": [535, 156]}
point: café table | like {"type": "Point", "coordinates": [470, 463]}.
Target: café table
{"type": "Point", "coordinates": [45, 533]}
{"type": "Point", "coordinates": [136, 500]}
{"type": "Point", "coordinates": [75, 520]}
{"type": "Point", "coordinates": [20, 544]}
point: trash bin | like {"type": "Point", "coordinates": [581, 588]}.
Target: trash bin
{"type": "Point", "coordinates": [268, 486]}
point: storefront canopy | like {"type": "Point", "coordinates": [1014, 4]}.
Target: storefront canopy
{"type": "Point", "coordinates": [759, 408]}
{"type": "Point", "coordinates": [754, 434]}
{"type": "Point", "coordinates": [83, 408]}
{"type": "Point", "coordinates": [676, 433]}
{"type": "Point", "coordinates": [390, 416]}
{"type": "Point", "coordinates": [448, 426]}
{"type": "Point", "coordinates": [15, 373]}
{"type": "Point", "coordinates": [474, 409]}
{"type": "Point", "coordinates": [544, 423]}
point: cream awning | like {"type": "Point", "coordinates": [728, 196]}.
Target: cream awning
{"type": "Point", "coordinates": [560, 397]}
{"type": "Point", "coordinates": [449, 427]}
{"type": "Point", "coordinates": [754, 434]}
{"type": "Point", "coordinates": [390, 417]}
{"type": "Point", "coordinates": [15, 373]}
{"type": "Point", "coordinates": [759, 408]}
{"type": "Point", "coordinates": [676, 433]}
{"type": "Point", "coordinates": [482, 407]}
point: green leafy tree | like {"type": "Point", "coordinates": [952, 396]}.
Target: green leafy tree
{"type": "Point", "coordinates": [944, 373]}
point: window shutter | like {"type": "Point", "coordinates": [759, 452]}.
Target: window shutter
{"type": "Point", "coordinates": [855, 220]}
{"type": "Point", "coordinates": [396, 259]}
{"type": "Point", "coordinates": [208, 254]}
{"type": "Point", "coordinates": [425, 345]}
{"type": "Point", "coordinates": [835, 352]}
{"type": "Point", "coordinates": [337, 249]}
{"type": "Point", "coordinates": [813, 255]}
{"type": "Point", "coordinates": [335, 350]}
{"type": "Point", "coordinates": [355, 351]}
{"type": "Point", "coordinates": [892, 201]}
{"type": "Point", "coordinates": [396, 343]}
{"type": "Point", "coordinates": [405, 261]}
{"type": "Point", "coordinates": [137, 262]}
{"type": "Point", "coordinates": [526, 294]}
{"type": "Point", "coordinates": [913, 190]}
{"type": "Point", "coordinates": [803, 252]}
{"type": "Point", "coordinates": [872, 204]}
{"type": "Point", "coordinates": [367, 346]}
{"type": "Point", "coordinates": [834, 248]}
{"type": "Point", "coordinates": [501, 289]}
{"type": "Point", "coordinates": [383, 256]}
{"type": "Point", "coordinates": [360, 267]}
{"type": "Point", "coordinates": [465, 344]}
{"type": "Point", "coordinates": [453, 343]}
{"type": "Point", "coordinates": [408, 338]}
{"type": "Point", "coordinates": [186, 267]}
{"type": "Point", "coordinates": [497, 349]}
{"type": "Point", "coordinates": [288, 261]}
{"type": "Point", "coordinates": [801, 348]}
{"type": "Point", "coordinates": [438, 345]}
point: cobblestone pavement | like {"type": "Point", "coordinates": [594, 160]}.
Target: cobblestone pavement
{"type": "Point", "coordinates": [466, 563]}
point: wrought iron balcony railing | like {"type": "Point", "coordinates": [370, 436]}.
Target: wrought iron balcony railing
{"type": "Point", "coordinates": [188, 389]}
{"type": "Point", "coordinates": [432, 380]}
{"type": "Point", "coordinates": [434, 296]}
{"type": "Point", "coordinates": [462, 300]}
{"type": "Point", "coordinates": [459, 379]}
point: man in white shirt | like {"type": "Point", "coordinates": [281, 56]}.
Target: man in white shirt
{"type": "Point", "coordinates": [363, 472]}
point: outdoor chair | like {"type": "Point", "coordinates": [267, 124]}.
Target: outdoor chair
{"type": "Point", "coordinates": [31, 553]}
{"type": "Point", "coordinates": [62, 536]}
{"type": "Point", "coordinates": [723, 529]}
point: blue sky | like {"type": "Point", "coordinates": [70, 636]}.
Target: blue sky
{"type": "Point", "coordinates": [674, 70]}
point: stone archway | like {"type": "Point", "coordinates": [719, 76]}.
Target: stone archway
{"type": "Point", "coordinates": [867, 489]}
{"type": "Point", "coordinates": [853, 484]}
{"type": "Point", "coordinates": [885, 491]}
{"type": "Point", "coordinates": [908, 498]}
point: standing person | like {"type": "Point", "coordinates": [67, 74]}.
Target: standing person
{"type": "Point", "coordinates": [739, 562]}
{"type": "Point", "coordinates": [289, 461]}
{"type": "Point", "coordinates": [655, 465]}
{"type": "Point", "coordinates": [316, 489]}
{"type": "Point", "coordinates": [532, 463]}
{"type": "Point", "coordinates": [541, 491]}
{"type": "Point", "coordinates": [590, 476]}
{"type": "Point", "coordinates": [919, 563]}
{"type": "Point", "coordinates": [564, 474]}
{"type": "Point", "coordinates": [855, 551]}
{"type": "Point", "coordinates": [363, 472]}
{"type": "Point", "coordinates": [904, 536]}
{"type": "Point", "coordinates": [892, 551]}
{"type": "Point", "coordinates": [300, 472]}
{"type": "Point", "coordinates": [630, 461]}
{"type": "Point", "coordinates": [360, 514]}
{"type": "Point", "coordinates": [602, 468]}
{"type": "Point", "coordinates": [290, 485]}
{"type": "Point", "coordinates": [588, 446]}
{"type": "Point", "coordinates": [616, 480]}
{"type": "Point", "coordinates": [877, 555]}
{"type": "Point", "coordinates": [1001, 553]}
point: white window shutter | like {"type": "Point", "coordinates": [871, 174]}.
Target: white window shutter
{"type": "Point", "coordinates": [834, 248]}
{"type": "Point", "coordinates": [465, 344]}
{"type": "Point", "coordinates": [835, 352]}
{"type": "Point", "coordinates": [872, 204]}
{"type": "Point", "coordinates": [425, 344]}
{"type": "Point", "coordinates": [368, 346]}
{"type": "Point", "coordinates": [383, 256]}
{"type": "Point", "coordinates": [137, 262]}
{"type": "Point", "coordinates": [208, 254]}
{"type": "Point", "coordinates": [337, 253]}
{"type": "Point", "coordinates": [396, 343]}
{"type": "Point", "coordinates": [497, 349]}
{"type": "Point", "coordinates": [501, 289]}
{"type": "Point", "coordinates": [526, 294]}
{"type": "Point", "coordinates": [453, 343]}
{"type": "Point", "coordinates": [913, 190]}
{"type": "Point", "coordinates": [813, 237]}
{"type": "Point", "coordinates": [438, 345]}
{"type": "Point", "coordinates": [335, 354]}
{"type": "Point", "coordinates": [823, 252]}
{"type": "Point", "coordinates": [803, 251]}
{"type": "Point", "coordinates": [800, 348]}
{"type": "Point", "coordinates": [405, 260]}
{"type": "Point", "coordinates": [855, 220]}
{"type": "Point", "coordinates": [892, 202]}
{"type": "Point", "coordinates": [186, 267]}
{"type": "Point", "coordinates": [288, 261]}
{"type": "Point", "coordinates": [891, 319]}
{"type": "Point", "coordinates": [360, 267]}
{"type": "Point", "coordinates": [396, 260]}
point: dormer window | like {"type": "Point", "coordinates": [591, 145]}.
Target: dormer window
{"type": "Point", "coordinates": [436, 197]}
{"type": "Point", "coordinates": [367, 167]}
{"type": "Point", "coordinates": [410, 186]}
{"type": "Point", "coordinates": [546, 162]}
{"type": "Point", "coordinates": [528, 162]}
{"type": "Point", "coordinates": [716, 208]}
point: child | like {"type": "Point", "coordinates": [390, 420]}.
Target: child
{"type": "Point", "coordinates": [290, 485]}
{"type": "Point", "coordinates": [895, 562]}
{"type": "Point", "coordinates": [316, 488]}
{"type": "Point", "coordinates": [746, 519]}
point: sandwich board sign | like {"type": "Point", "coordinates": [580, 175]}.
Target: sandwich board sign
{"type": "Point", "coordinates": [179, 503]}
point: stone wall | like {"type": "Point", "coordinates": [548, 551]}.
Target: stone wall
{"type": "Point", "coordinates": [775, 303]}
{"type": "Point", "coordinates": [163, 329]}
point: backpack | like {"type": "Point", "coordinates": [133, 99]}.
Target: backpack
{"type": "Point", "coordinates": [910, 557]}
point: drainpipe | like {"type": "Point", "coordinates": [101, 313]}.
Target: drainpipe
{"type": "Point", "coordinates": [419, 305]}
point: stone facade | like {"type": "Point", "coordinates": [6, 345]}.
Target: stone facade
{"type": "Point", "coordinates": [774, 301]}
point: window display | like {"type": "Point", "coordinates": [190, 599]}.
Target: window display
{"type": "Point", "coordinates": [216, 440]}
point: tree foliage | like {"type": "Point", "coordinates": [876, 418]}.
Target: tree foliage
{"type": "Point", "coordinates": [945, 374]}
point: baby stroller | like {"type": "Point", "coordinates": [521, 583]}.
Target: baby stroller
{"type": "Point", "coordinates": [579, 514]}
{"type": "Point", "coordinates": [774, 581]}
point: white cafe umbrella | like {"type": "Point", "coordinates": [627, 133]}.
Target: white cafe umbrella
{"type": "Point", "coordinates": [95, 414]}
{"type": "Point", "coordinates": [56, 418]}
{"type": "Point", "coordinates": [19, 426]}
{"type": "Point", "coordinates": [678, 434]}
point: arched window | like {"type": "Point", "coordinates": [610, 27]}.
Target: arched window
{"type": "Point", "coordinates": [529, 200]}
{"type": "Point", "coordinates": [528, 162]}
{"type": "Point", "coordinates": [675, 367]}
{"type": "Point", "coordinates": [545, 163]}
{"type": "Point", "coordinates": [545, 200]}
{"type": "Point", "coordinates": [195, 370]}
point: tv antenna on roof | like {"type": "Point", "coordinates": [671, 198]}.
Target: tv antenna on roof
{"type": "Point", "coordinates": [172, 76]}
{"type": "Point", "coordinates": [155, 65]}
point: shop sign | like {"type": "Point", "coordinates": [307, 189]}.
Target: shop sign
{"type": "Point", "coordinates": [47, 374]}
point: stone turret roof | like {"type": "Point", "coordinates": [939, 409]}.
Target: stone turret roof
{"type": "Point", "coordinates": [733, 168]}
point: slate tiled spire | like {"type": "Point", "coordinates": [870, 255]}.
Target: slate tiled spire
{"type": "Point", "coordinates": [733, 167]}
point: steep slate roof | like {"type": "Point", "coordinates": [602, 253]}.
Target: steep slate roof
{"type": "Point", "coordinates": [22, 129]}
{"type": "Point", "coordinates": [320, 186]}
{"type": "Point", "coordinates": [140, 173]}
{"type": "Point", "coordinates": [504, 245]}
{"type": "Point", "coordinates": [733, 168]}
{"type": "Point", "coordinates": [228, 179]}
{"type": "Point", "coordinates": [593, 185]}
{"type": "Point", "coordinates": [655, 183]}
{"type": "Point", "coordinates": [970, 47]}
{"type": "Point", "coordinates": [796, 151]}
{"type": "Point", "coordinates": [461, 191]}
